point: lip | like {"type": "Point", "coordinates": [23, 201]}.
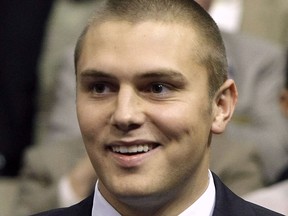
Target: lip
{"type": "Point", "coordinates": [132, 160]}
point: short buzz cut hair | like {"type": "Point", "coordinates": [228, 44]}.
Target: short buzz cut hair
{"type": "Point", "coordinates": [211, 50]}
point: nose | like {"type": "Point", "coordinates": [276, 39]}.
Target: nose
{"type": "Point", "coordinates": [128, 114]}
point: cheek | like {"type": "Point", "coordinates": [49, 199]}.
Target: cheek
{"type": "Point", "coordinates": [184, 119]}
{"type": "Point", "coordinates": [187, 134]}
{"type": "Point", "coordinates": [91, 121]}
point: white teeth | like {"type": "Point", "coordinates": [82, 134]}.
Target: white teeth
{"type": "Point", "coordinates": [132, 149]}
{"type": "Point", "coordinates": [140, 148]}
{"type": "Point", "coordinates": [146, 148]}
{"type": "Point", "coordinates": [123, 149]}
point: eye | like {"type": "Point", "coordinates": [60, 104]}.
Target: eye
{"type": "Point", "coordinates": [158, 88]}
{"type": "Point", "coordinates": [101, 89]}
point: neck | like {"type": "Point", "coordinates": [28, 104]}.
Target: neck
{"type": "Point", "coordinates": [172, 203]}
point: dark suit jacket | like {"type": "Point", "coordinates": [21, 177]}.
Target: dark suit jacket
{"type": "Point", "coordinates": [227, 204]}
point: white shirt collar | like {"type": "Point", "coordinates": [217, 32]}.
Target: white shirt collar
{"type": "Point", "coordinates": [203, 206]}
{"type": "Point", "coordinates": [100, 205]}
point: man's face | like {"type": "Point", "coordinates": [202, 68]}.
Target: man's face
{"type": "Point", "coordinates": [143, 109]}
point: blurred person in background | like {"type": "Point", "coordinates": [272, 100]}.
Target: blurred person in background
{"type": "Point", "coordinates": [257, 67]}
{"type": "Point", "coordinates": [25, 37]}
{"type": "Point", "coordinates": [22, 30]}
{"type": "Point", "coordinates": [275, 196]}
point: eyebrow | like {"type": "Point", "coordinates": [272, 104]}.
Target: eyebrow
{"type": "Point", "coordinates": [96, 73]}
{"type": "Point", "coordinates": [151, 74]}
{"type": "Point", "coordinates": [163, 74]}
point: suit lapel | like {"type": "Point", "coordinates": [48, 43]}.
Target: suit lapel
{"type": "Point", "coordinates": [84, 208]}
{"type": "Point", "coordinates": [227, 203]}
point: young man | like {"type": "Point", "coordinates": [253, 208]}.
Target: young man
{"type": "Point", "coordinates": [152, 88]}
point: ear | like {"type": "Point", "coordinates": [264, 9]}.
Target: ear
{"type": "Point", "coordinates": [284, 102]}
{"type": "Point", "coordinates": [224, 103]}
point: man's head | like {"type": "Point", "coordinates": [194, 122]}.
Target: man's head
{"type": "Point", "coordinates": [145, 105]}
{"type": "Point", "coordinates": [210, 48]}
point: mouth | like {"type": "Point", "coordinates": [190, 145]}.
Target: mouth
{"type": "Point", "coordinates": [132, 154]}
{"type": "Point", "coordinates": [134, 149]}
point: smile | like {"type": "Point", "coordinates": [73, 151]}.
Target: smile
{"type": "Point", "coordinates": [132, 149]}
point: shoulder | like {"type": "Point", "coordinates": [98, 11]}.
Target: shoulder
{"type": "Point", "coordinates": [228, 203]}
{"type": "Point", "coordinates": [84, 208]}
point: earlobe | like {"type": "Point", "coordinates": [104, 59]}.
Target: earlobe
{"type": "Point", "coordinates": [284, 102]}
{"type": "Point", "coordinates": [223, 106]}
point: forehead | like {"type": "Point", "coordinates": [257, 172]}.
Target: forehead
{"type": "Point", "coordinates": [122, 26]}
{"type": "Point", "coordinates": [149, 44]}
{"type": "Point", "coordinates": [125, 33]}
